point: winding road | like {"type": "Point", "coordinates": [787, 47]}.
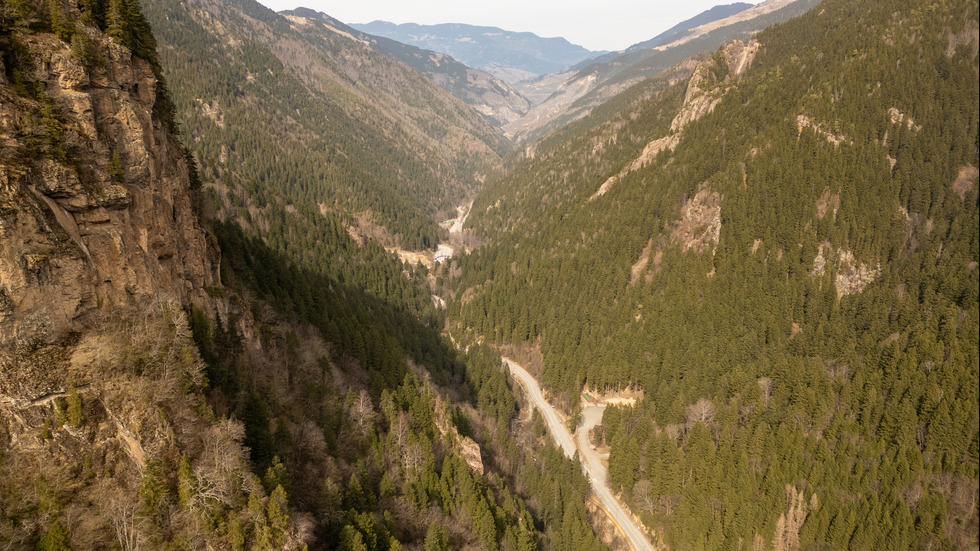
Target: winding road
{"type": "Point", "coordinates": [591, 465]}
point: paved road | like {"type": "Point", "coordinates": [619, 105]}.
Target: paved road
{"type": "Point", "coordinates": [596, 474]}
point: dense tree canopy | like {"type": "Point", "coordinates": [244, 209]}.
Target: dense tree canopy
{"type": "Point", "coordinates": [318, 118]}
{"type": "Point", "coordinates": [832, 324]}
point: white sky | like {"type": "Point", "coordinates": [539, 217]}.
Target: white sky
{"type": "Point", "coordinates": [595, 24]}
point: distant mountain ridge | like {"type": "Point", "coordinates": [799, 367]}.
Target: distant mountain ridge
{"type": "Point", "coordinates": [508, 55]}
{"type": "Point", "coordinates": [567, 96]}
{"type": "Point", "coordinates": [493, 98]}
{"type": "Point", "coordinates": [708, 16]}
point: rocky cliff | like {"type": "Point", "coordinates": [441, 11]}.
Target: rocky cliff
{"type": "Point", "coordinates": [711, 80]}
{"type": "Point", "coordinates": [95, 209]}
{"type": "Point", "coordinates": [101, 254]}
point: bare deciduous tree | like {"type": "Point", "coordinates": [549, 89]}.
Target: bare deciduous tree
{"type": "Point", "coordinates": [965, 495]}
{"type": "Point", "coordinates": [412, 459]}
{"type": "Point", "coordinates": [400, 430]}
{"type": "Point", "coordinates": [803, 421]}
{"type": "Point", "coordinates": [674, 430]}
{"type": "Point", "coordinates": [911, 495]}
{"type": "Point", "coordinates": [765, 386]}
{"type": "Point", "coordinates": [743, 414]}
{"type": "Point", "coordinates": [218, 469]}
{"type": "Point", "coordinates": [309, 439]}
{"type": "Point", "coordinates": [703, 410]}
{"type": "Point", "coordinates": [361, 411]}
{"type": "Point", "coordinates": [641, 494]}
{"type": "Point", "coordinates": [125, 522]}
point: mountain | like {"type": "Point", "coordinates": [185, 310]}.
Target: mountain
{"type": "Point", "coordinates": [174, 380]}
{"type": "Point", "coordinates": [571, 94]}
{"type": "Point", "coordinates": [772, 248]}
{"type": "Point", "coordinates": [102, 398]}
{"type": "Point", "coordinates": [96, 205]}
{"type": "Point", "coordinates": [493, 98]}
{"type": "Point", "coordinates": [319, 117]}
{"type": "Point", "coordinates": [708, 16]}
{"type": "Point", "coordinates": [509, 56]}
{"type": "Point", "coordinates": [780, 250]}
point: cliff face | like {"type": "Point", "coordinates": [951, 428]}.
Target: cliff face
{"type": "Point", "coordinates": [95, 209]}
{"type": "Point", "coordinates": [101, 253]}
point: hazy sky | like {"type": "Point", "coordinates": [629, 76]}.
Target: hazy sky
{"type": "Point", "coordinates": [595, 24]}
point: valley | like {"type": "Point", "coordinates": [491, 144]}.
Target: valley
{"type": "Point", "coordinates": [346, 293]}
{"type": "Point", "coordinates": [445, 249]}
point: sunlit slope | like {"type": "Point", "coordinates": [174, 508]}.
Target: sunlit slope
{"type": "Point", "coordinates": [319, 116]}
{"type": "Point", "coordinates": [782, 251]}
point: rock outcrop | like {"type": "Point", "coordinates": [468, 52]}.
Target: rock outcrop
{"type": "Point", "coordinates": [852, 276]}
{"type": "Point", "coordinates": [95, 208]}
{"type": "Point", "coordinates": [828, 202]}
{"type": "Point", "coordinates": [965, 181]}
{"type": "Point", "coordinates": [463, 446]}
{"type": "Point", "coordinates": [700, 225]}
{"type": "Point", "coordinates": [803, 121]}
{"type": "Point", "coordinates": [704, 93]}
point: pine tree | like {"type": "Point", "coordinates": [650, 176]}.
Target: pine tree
{"type": "Point", "coordinates": [436, 538]}
{"type": "Point", "coordinates": [56, 538]}
{"type": "Point", "coordinates": [277, 513]}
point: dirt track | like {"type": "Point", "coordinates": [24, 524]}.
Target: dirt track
{"type": "Point", "coordinates": [591, 463]}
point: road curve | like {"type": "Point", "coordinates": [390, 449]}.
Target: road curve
{"type": "Point", "coordinates": [597, 475]}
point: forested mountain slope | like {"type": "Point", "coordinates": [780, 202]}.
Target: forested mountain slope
{"type": "Point", "coordinates": [319, 117]}
{"type": "Point", "coordinates": [494, 99]}
{"type": "Point", "coordinates": [782, 251]}
{"type": "Point", "coordinates": [305, 400]}
{"type": "Point", "coordinates": [582, 88]}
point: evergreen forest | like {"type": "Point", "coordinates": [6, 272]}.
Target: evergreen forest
{"type": "Point", "coordinates": [319, 118]}
{"type": "Point", "coordinates": [775, 245]}
{"type": "Point", "coordinates": [793, 285]}
{"type": "Point", "coordinates": [311, 402]}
